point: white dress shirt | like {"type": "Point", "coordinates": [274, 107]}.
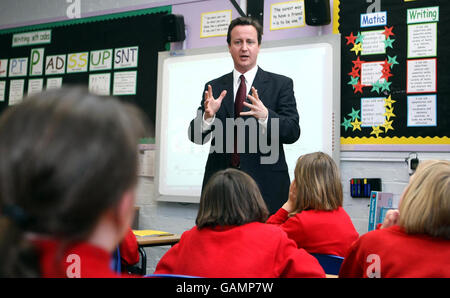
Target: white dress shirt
{"type": "Point", "coordinates": [249, 78]}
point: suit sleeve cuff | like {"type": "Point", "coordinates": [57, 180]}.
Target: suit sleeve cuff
{"type": "Point", "coordinates": [207, 123]}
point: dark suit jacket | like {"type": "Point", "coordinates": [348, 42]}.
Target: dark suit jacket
{"type": "Point", "coordinates": [277, 94]}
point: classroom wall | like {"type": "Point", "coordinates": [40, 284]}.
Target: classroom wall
{"type": "Point", "coordinates": [15, 13]}
{"type": "Point", "coordinates": [177, 217]}
{"type": "Point", "coordinates": [192, 13]}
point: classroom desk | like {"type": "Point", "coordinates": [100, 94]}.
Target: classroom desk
{"type": "Point", "coordinates": [149, 241]}
{"type": "Point", "coordinates": [146, 241]}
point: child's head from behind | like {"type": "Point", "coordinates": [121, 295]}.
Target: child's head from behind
{"type": "Point", "coordinates": [231, 197]}
{"type": "Point", "coordinates": [425, 204]}
{"type": "Point", "coordinates": [318, 183]}
{"type": "Point", "coordinates": [66, 157]}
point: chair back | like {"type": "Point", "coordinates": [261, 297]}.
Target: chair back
{"type": "Point", "coordinates": [330, 263]}
{"type": "Point", "coordinates": [115, 262]}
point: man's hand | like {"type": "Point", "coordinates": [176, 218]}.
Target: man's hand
{"type": "Point", "coordinates": [211, 104]}
{"type": "Point", "coordinates": [257, 108]}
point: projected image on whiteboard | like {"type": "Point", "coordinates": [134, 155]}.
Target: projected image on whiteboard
{"type": "Point", "coordinates": [181, 163]}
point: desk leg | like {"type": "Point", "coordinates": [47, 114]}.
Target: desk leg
{"type": "Point", "coordinates": [143, 260]}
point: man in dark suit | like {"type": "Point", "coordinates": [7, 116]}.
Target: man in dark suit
{"type": "Point", "coordinates": [249, 114]}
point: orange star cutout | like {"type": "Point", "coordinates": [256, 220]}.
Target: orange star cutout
{"type": "Point", "coordinates": [358, 87]}
{"type": "Point", "coordinates": [357, 63]}
{"type": "Point", "coordinates": [388, 31]}
{"type": "Point", "coordinates": [354, 73]}
{"type": "Point", "coordinates": [351, 38]}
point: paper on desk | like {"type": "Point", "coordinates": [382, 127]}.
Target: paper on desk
{"type": "Point", "coordinates": [151, 233]}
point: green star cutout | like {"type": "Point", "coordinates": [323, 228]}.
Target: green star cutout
{"type": "Point", "coordinates": [353, 81]}
{"type": "Point", "coordinates": [359, 38]}
{"type": "Point", "coordinates": [385, 86]}
{"type": "Point", "coordinates": [354, 114]}
{"type": "Point", "coordinates": [347, 123]}
{"type": "Point", "coordinates": [376, 87]}
{"type": "Point", "coordinates": [388, 43]}
{"type": "Point", "coordinates": [392, 61]}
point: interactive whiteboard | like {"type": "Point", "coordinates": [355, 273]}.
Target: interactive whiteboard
{"type": "Point", "coordinates": [312, 63]}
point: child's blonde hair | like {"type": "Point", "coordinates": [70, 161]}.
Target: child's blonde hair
{"type": "Point", "coordinates": [425, 204]}
{"type": "Point", "coordinates": [318, 183]}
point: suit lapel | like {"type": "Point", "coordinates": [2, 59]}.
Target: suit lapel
{"type": "Point", "coordinates": [260, 83]}
{"type": "Point", "coordinates": [228, 101]}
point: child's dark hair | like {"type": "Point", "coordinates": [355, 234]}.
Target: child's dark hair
{"type": "Point", "coordinates": [231, 197]}
{"type": "Point", "coordinates": [66, 156]}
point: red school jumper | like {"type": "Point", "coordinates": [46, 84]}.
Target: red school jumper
{"type": "Point", "coordinates": [94, 262]}
{"type": "Point", "coordinates": [316, 231]}
{"type": "Point", "coordinates": [129, 249]}
{"type": "Point", "coordinates": [254, 250]}
{"type": "Point", "coordinates": [399, 254]}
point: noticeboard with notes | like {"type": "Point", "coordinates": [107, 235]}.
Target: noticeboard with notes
{"type": "Point", "coordinates": [113, 54]}
{"type": "Point", "coordinates": [395, 71]}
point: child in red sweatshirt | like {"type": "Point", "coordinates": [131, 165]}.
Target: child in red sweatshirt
{"type": "Point", "coordinates": [129, 250]}
{"type": "Point", "coordinates": [67, 183]}
{"type": "Point", "coordinates": [231, 239]}
{"type": "Point", "coordinates": [413, 241]}
{"type": "Point", "coordinates": [313, 215]}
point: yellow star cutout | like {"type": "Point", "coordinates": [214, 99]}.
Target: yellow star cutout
{"type": "Point", "coordinates": [388, 102]}
{"type": "Point", "coordinates": [389, 113]}
{"type": "Point", "coordinates": [356, 124]}
{"type": "Point", "coordinates": [376, 130]}
{"type": "Point", "coordinates": [387, 125]}
{"type": "Point", "coordinates": [357, 48]}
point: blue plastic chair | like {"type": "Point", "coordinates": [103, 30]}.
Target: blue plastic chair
{"type": "Point", "coordinates": [330, 263]}
{"type": "Point", "coordinates": [115, 263]}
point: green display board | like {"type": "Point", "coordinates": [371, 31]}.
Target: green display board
{"type": "Point", "coordinates": [395, 74]}
{"type": "Point", "coordinates": [111, 54]}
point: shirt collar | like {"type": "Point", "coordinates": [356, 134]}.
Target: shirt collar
{"type": "Point", "coordinates": [249, 76]}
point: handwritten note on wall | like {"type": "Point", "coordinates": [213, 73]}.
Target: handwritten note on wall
{"type": "Point", "coordinates": [285, 15]}
{"type": "Point", "coordinates": [16, 91]}
{"type": "Point", "coordinates": [422, 110]}
{"type": "Point", "coordinates": [215, 23]}
{"type": "Point", "coordinates": [100, 83]}
{"type": "Point", "coordinates": [2, 90]}
{"type": "Point", "coordinates": [125, 83]}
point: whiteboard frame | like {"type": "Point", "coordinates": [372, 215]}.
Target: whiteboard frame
{"type": "Point", "coordinates": [333, 40]}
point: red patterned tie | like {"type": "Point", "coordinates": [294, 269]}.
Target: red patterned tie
{"type": "Point", "coordinates": [238, 105]}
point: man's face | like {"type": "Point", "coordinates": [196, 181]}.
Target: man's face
{"type": "Point", "coordinates": [244, 47]}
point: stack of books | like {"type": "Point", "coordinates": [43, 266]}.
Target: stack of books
{"type": "Point", "coordinates": [380, 203]}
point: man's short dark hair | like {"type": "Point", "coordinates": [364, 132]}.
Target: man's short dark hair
{"type": "Point", "coordinates": [245, 21]}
